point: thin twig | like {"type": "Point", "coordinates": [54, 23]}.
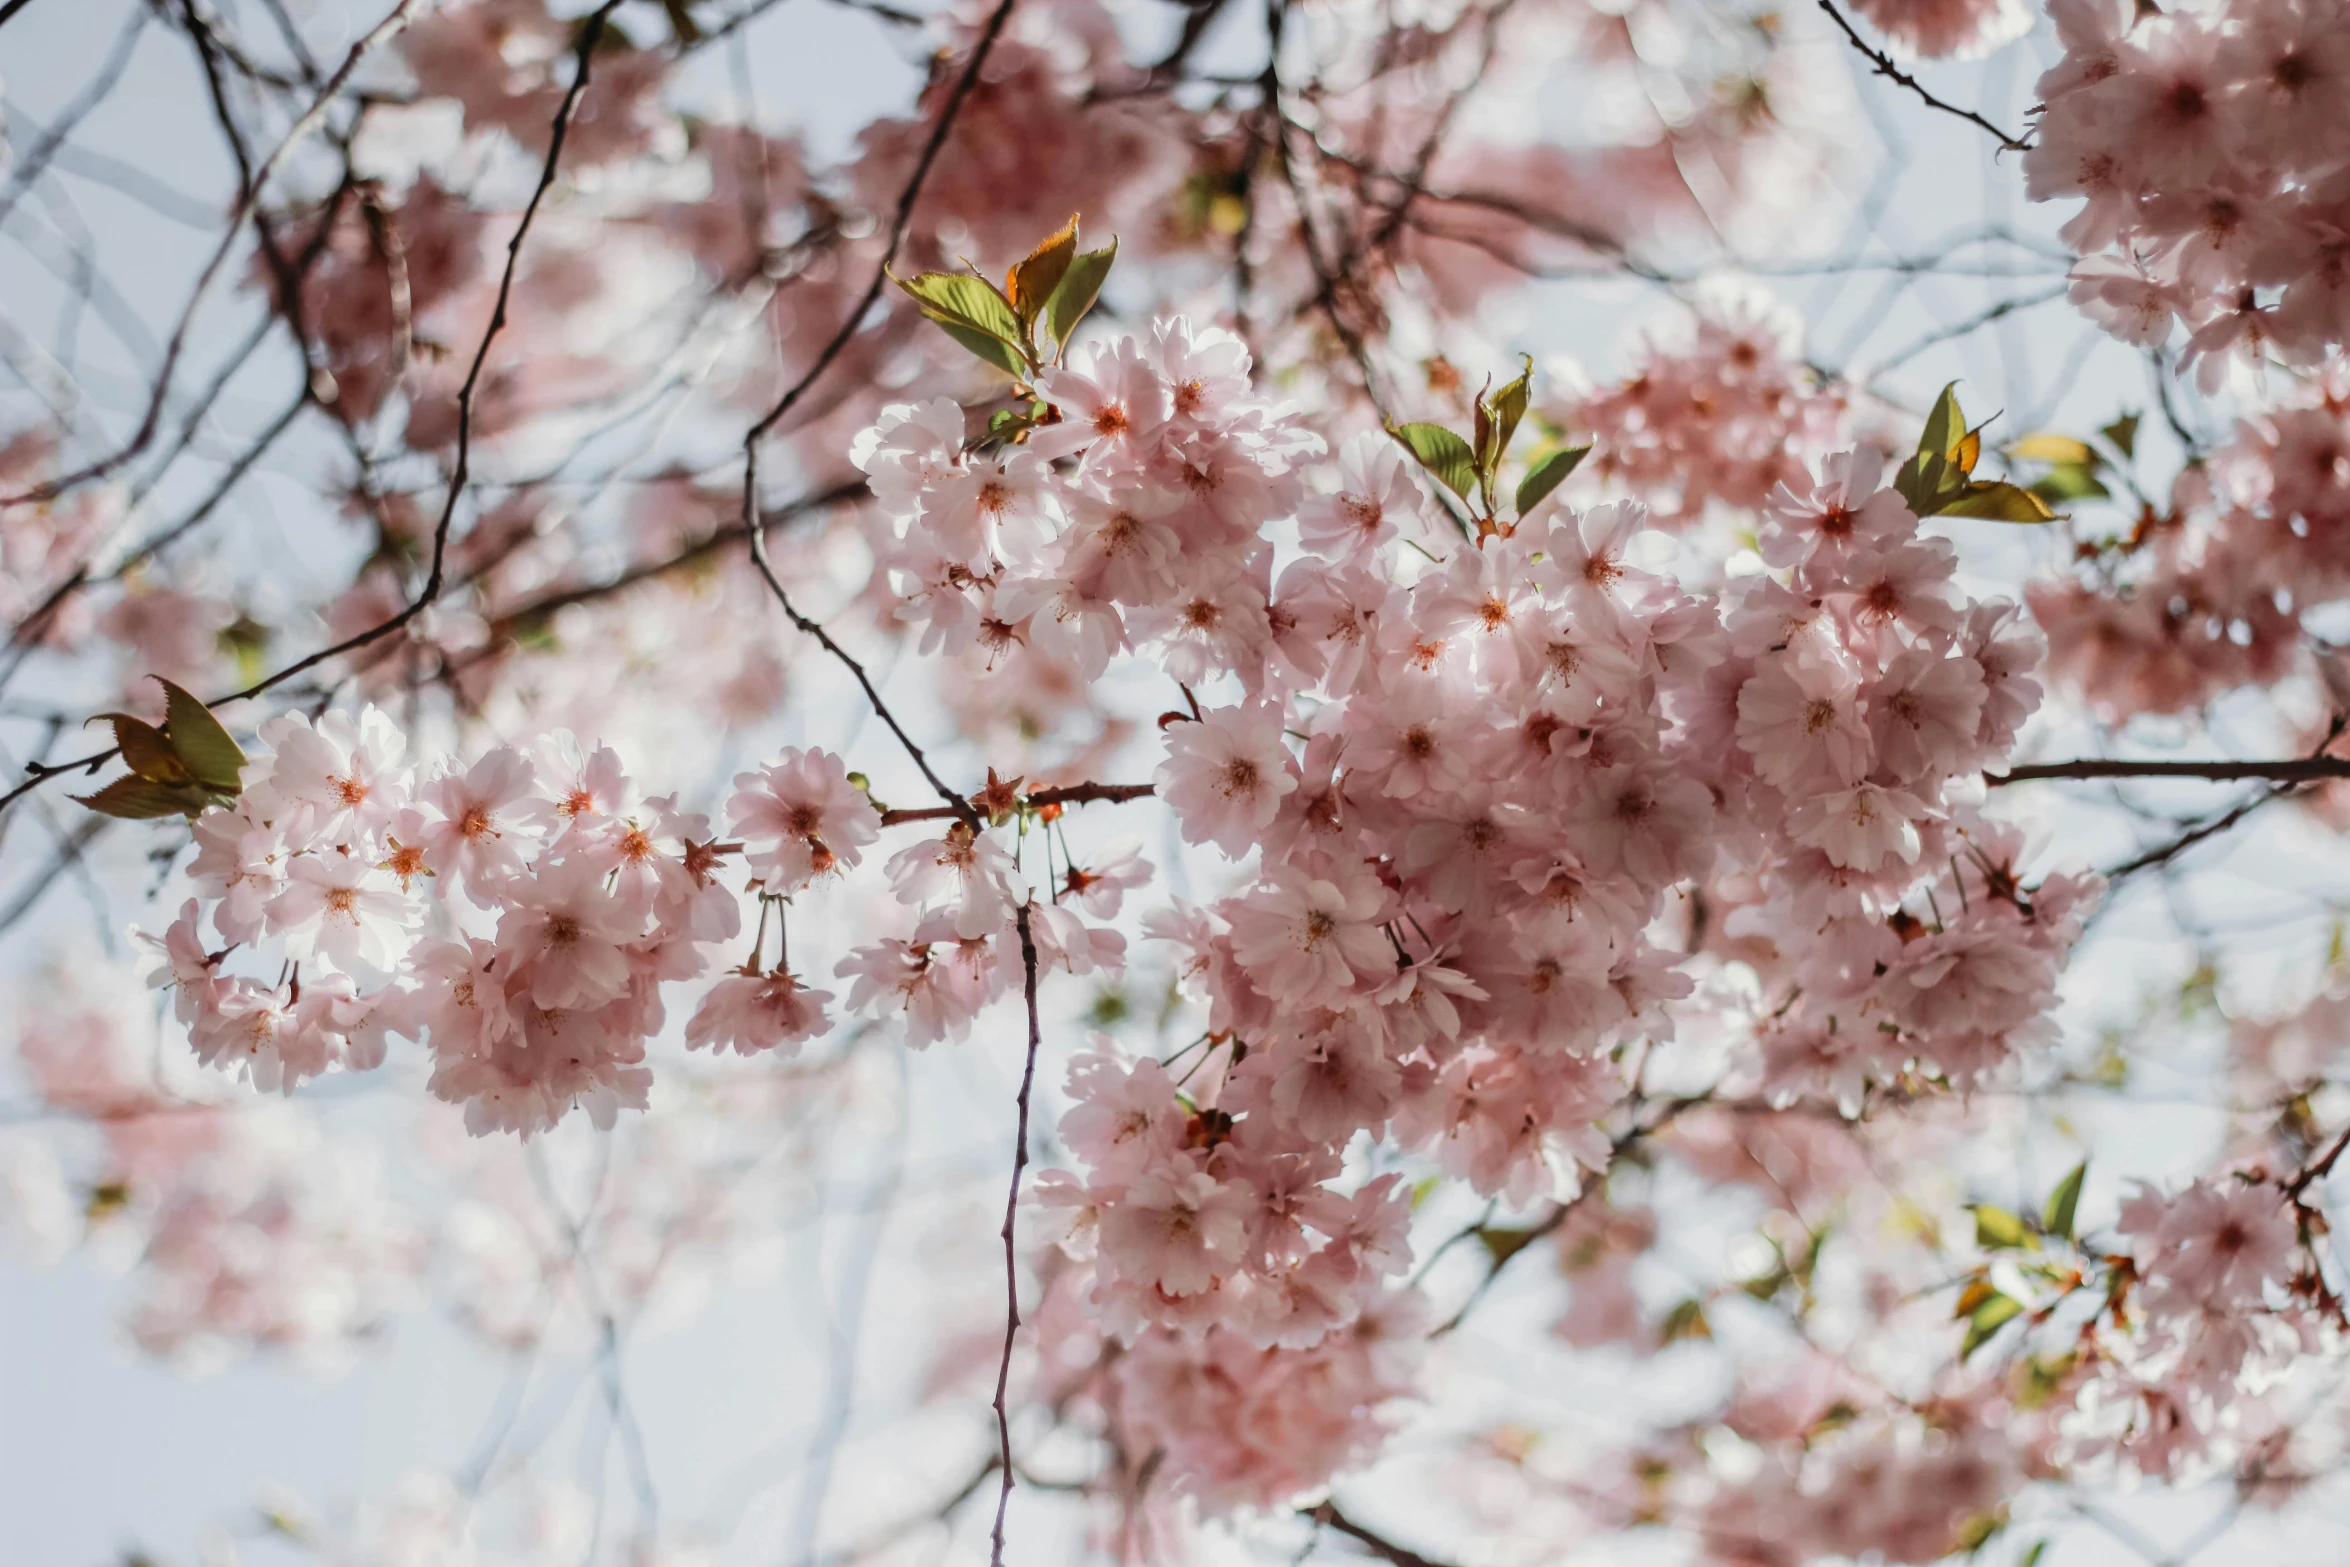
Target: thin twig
{"type": "Point", "coordinates": [1003, 1373]}
{"type": "Point", "coordinates": [590, 32]}
{"type": "Point", "coordinates": [248, 200]}
{"type": "Point", "coordinates": [1071, 794]}
{"type": "Point", "coordinates": [1894, 73]}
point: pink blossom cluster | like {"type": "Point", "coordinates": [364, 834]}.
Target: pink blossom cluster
{"type": "Point", "coordinates": [1464, 781]}
{"type": "Point", "coordinates": [1891, 1491]}
{"type": "Point", "coordinates": [520, 914]}
{"type": "Point", "coordinates": [1723, 419]}
{"type": "Point", "coordinates": [250, 1230]}
{"type": "Point", "coordinates": [2212, 148]}
{"type": "Point", "coordinates": [2217, 1262]}
{"type": "Point", "coordinates": [2210, 596]}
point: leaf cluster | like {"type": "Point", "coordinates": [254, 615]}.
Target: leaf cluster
{"type": "Point", "coordinates": [1048, 293]}
{"type": "Point", "coordinates": [1471, 468]}
{"type": "Point", "coordinates": [177, 770]}
{"type": "Point", "coordinates": [1939, 478]}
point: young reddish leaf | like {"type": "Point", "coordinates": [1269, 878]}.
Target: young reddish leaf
{"type": "Point", "coordinates": [1969, 452]}
{"type": "Point", "coordinates": [1441, 452]}
{"type": "Point", "coordinates": [1031, 283]}
{"type": "Point", "coordinates": [145, 750]}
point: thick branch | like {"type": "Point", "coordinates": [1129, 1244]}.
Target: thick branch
{"type": "Point", "coordinates": [2293, 769]}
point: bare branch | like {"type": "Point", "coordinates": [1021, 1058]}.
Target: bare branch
{"type": "Point", "coordinates": [1894, 73]}
{"type": "Point", "coordinates": [248, 200]}
{"type": "Point", "coordinates": [1003, 1373]}
{"type": "Point", "coordinates": [2295, 769]}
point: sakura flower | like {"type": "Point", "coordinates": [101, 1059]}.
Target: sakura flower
{"type": "Point", "coordinates": [965, 871]}
{"type": "Point", "coordinates": [1800, 718]}
{"type": "Point", "coordinates": [1376, 491]}
{"type": "Point", "coordinates": [800, 818]}
{"type": "Point", "coordinates": [1177, 1231]}
{"type": "Point", "coordinates": [1226, 775]}
{"type": "Point", "coordinates": [482, 822]}
{"type": "Point", "coordinates": [1101, 887]}
{"type": "Point", "coordinates": [1111, 401]}
{"type": "Point", "coordinates": [1307, 941]}
{"type": "Point", "coordinates": [1859, 827]}
{"type": "Point", "coordinates": [342, 909]}
{"type": "Point", "coordinates": [1843, 514]}
{"type": "Point", "coordinates": [564, 935]}
{"type": "Point", "coordinates": [750, 1012]}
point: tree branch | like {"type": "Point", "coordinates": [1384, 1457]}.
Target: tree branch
{"type": "Point", "coordinates": [1886, 68]}
{"type": "Point", "coordinates": [1071, 794]}
{"type": "Point", "coordinates": [248, 200]}
{"type": "Point", "coordinates": [1003, 1373]}
{"type": "Point", "coordinates": [2295, 769]}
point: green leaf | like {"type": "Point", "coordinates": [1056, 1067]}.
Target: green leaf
{"type": "Point", "coordinates": [1547, 473]}
{"type": "Point", "coordinates": [142, 799]}
{"type": "Point", "coordinates": [2031, 1557]}
{"type": "Point", "coordinates": [2068, 482]}
{"type": "Point", "coordinates": [987, 346]}
{"type": "Point", "coordinates": [2123, 433]}
{"type": "Point", "coordinates": [1502, 412]}
{"type": "Point", "coordinates": [2057, 1217]}
{"type": "Point", "coordinates": [1502, 1244]}
{"type": "Point", "coordinates": [1996, 502]}
{"type": "Point", "coordinates": [1987, 1319]}
{"type": "Point", "coordinates": [216, 760]}
{"type": "Point", "coordinates": [1998, 1229]}
{"type": "Point", "coordinates": [974, 314]}
{"type": "Point", "coordinates": [145, 750]}
{"type": "Point", "coordinates": [1929, 483]}
{"type": "Point", "coordinates": [1945, 427]}
{"type": "Point", "coordinates": [1031, 284]}
{"type": "Point", "coordinates": [1075, 294]}
{"type": "Point", "coordinates": [1685, 1320]}
{"type": "Point", "coordinates": [1441, 452]}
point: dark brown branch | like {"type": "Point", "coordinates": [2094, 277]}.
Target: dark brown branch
{"type": "Point", "coordinates": [1329, 1517]}
{"type": "Point", "coordinates": [2324, 1167]}
{"type": "Point", "coordinates": [1072, 794]}
{"type": "Point", "coordinates": [2296, 769]}
{"type": "Point", "coordinates": [1894, 73]}
{"type": "Point", "coordinates": [1003, 1370]}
